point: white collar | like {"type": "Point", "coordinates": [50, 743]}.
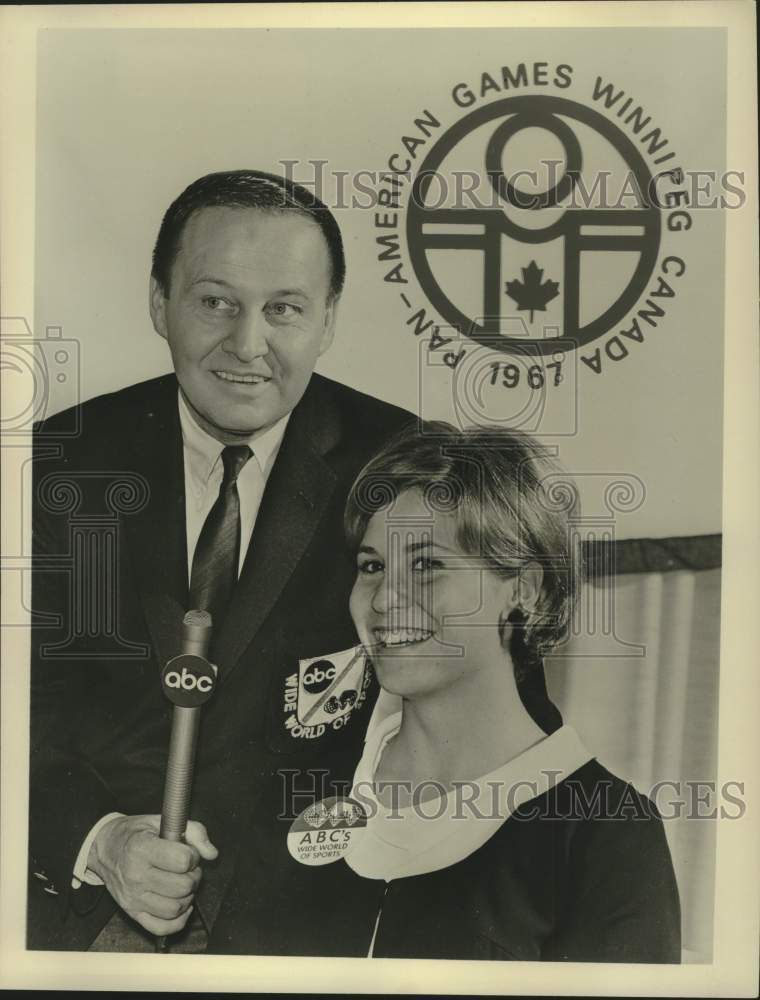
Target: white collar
{"type": "Point", "coordinates": [203, 450]}
{"type": "Point", "coordinates": [410, 843]}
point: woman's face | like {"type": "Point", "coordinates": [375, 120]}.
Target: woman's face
{"type": "Point", "coordinates": [427, 611]}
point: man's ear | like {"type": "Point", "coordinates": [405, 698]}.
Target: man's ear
{"type": "Point", "coordinates": [331, 313]}
{"type": "Point", "coordinates": [157, 306]}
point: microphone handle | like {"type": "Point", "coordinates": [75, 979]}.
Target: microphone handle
{"type": "Point", "coordinates": [179, 772]}
{"type": "Point", "coordinates": [179, 778]}
{"type": "Point", "coordinates": [196, 635]}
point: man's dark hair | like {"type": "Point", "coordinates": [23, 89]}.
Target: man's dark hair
{"type": "Point", "coordinates": [244, 189]}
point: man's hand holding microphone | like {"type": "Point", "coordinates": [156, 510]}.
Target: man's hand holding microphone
{"type": "Point", "coordinates": [151, 864]}
{"type": "Point", "coordinates": [152, 880]}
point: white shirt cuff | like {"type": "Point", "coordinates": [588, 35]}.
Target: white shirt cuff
{"type": "Point", "coordinates": [81, 872]}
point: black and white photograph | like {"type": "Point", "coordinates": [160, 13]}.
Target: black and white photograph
{"type": "Point", "coordinates": [380, 471]}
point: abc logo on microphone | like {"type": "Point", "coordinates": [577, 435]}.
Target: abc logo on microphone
{"type": "Point", "coordinates": [188, 681]}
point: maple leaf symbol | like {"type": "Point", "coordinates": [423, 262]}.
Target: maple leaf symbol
{"type": "Point", "coordinates": [532, 293]}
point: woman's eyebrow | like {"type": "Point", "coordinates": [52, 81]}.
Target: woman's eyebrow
{"type": "Point", "coordinates": [427, 544]}
{"type": "Point", "coordinates": [366, 550]}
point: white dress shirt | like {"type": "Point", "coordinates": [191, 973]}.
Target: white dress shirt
{"type": "Point", "coordinates": [203, 477]}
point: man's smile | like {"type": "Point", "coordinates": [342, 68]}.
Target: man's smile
{"type": "Point", "coordinates": [242, 379]}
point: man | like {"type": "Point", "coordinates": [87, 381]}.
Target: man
{"type": "Point", "coordinates": [221, 487]}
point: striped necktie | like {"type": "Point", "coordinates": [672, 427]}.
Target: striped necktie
{"type": "Point", "coordinates": [215, 562]}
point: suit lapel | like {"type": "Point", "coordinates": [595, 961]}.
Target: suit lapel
{"type": "Point", "coordinates": [157, 535]}
{"type": "Point", "coordinates": [297, 493]}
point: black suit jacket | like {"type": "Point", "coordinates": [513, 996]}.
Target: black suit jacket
{"type": "Point", "coordinates": [109, 594]}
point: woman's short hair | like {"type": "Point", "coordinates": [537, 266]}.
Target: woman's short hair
{"type": "Point", "coordinates": [245, 189]}
{"type": "Point", "coordinates": [513, 505]}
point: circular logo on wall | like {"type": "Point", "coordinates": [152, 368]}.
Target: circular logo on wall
{"type": "Point", "coordinates": [529, 249]}
{"type": "Point", "coordinates": [535, 226]}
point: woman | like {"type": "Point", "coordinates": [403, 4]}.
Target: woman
{"type": "Point", "coordinates": [486, 829]}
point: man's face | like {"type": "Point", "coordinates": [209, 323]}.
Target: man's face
{"type": "Point", "coordinates": [248, 314]}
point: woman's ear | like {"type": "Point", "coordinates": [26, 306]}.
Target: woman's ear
{"type": "Point", "coordinates": [528, 584]}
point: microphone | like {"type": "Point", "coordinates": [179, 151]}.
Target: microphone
{"type": "Point", "coordinates": [188, 680]}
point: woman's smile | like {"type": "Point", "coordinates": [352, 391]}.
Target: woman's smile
{"type": "Point", "coordinates": [395, 637]}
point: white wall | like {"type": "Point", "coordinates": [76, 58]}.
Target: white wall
{"type": "Point", "coordinates": [127, 118]}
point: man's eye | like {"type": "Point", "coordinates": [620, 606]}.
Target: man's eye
{"type": "Point", "coordinates": [217, 304]}
{"type": "Point", "coordinates": [370, 566]}
{"type": "Point", "coordinates": [284, 310]}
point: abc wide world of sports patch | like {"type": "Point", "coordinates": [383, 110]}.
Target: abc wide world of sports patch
{"type": "Point", "coordinates": [324, 692]}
